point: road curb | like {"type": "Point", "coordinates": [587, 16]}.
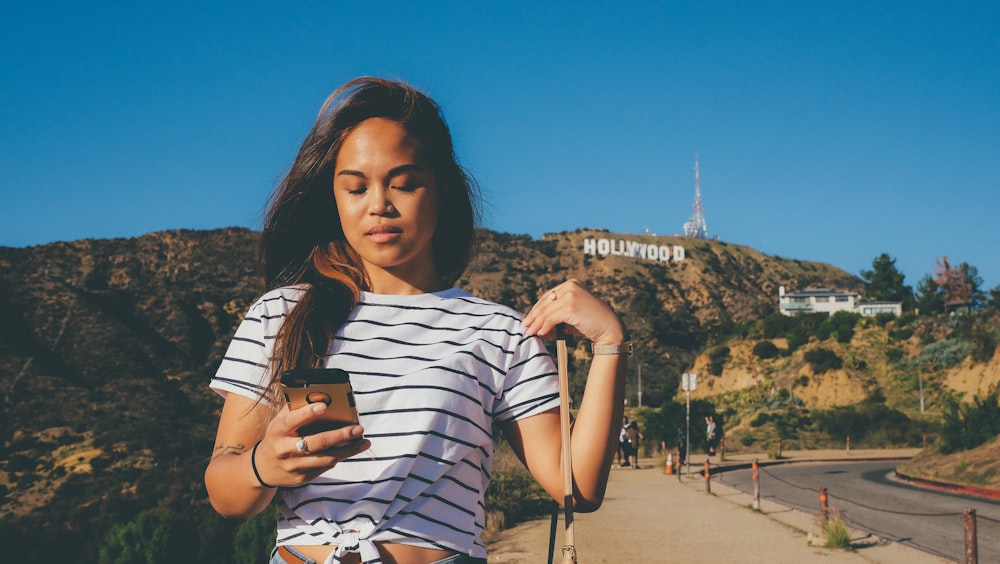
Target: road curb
{"type": "Point", "coordinates": [974, 491]}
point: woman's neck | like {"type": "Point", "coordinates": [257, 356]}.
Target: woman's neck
{"type": "Point", "coordinates": [392, 283]}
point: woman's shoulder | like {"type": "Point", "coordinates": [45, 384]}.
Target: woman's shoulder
{"type": "Point", "coordinates": [282, 298]}
{"type": "Point", "coordinates": [468, 301]}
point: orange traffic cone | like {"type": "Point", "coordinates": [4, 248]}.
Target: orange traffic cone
{"type": "Point", "coordinates": [669, 468]}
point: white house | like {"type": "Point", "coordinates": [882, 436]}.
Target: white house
{"type": "Point", "coordinates": [822, 300]}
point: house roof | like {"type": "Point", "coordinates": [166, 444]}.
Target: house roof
{"type": "Point", "coordinates": [819, 292]}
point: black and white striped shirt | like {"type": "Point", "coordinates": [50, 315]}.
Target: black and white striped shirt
{"type": "Point", "coordinates": [434, 375]}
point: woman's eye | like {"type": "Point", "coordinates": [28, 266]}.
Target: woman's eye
{"type": "Point", "coordinates": [357, 190]}
{"type": "Point", "coordinates": [407, 187]}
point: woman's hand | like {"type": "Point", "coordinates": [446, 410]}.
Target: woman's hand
{"type": "Point", "coordinates": [583, 314]}
{"type": "Point", "coordinates": [284, 458]}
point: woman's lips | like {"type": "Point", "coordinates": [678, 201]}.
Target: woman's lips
{"type": "Point", "coordinates": [383, 233]}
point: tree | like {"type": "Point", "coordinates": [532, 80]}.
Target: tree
{"type": "Point", "coordinates": [977, 298]}
{"type": "Point", "coordinates": [962, 285]}
{"type": "Point", "coordinates": [155, 536]}
{"type": "Point", "coordinates": [884, 282]}
{"type": "Point", "coordinates": [930, 296]}
{"type": "Point", "coordinates": [993, 299]}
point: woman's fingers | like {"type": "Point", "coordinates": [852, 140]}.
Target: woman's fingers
{"type": "Point", "coordinates": [302, 458]}
{"type": "Point", "coordinates": [583, 313]}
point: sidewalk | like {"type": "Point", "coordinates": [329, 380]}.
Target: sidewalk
{"type": "Point", "coordinates": [651, 517]}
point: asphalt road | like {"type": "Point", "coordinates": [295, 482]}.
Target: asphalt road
{"type": "Point", "coordinates": [870, 500]}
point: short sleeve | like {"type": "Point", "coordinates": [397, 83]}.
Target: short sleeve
{"type": "Point", "coordinates": [531, 383]}
{"type": "Point", "coordinates": [245, 367]}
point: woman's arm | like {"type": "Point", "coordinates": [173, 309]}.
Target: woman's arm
{"type": "Point", "coordinates": [595, 431]}
{"type": "Point", "coordinates": [234, 489]}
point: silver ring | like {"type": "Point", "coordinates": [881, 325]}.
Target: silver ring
{"type": "Point", "coordinates": [554, 295]}
{"type": "Point", "coordinates": [301, 446]}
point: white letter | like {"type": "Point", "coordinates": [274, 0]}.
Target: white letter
{"type": "Point", "coordinates": [589, 247]}
{"type": "Point", "coordinates": [615, 250]}
{"type": "Point", "coordinates": [664, 253]}
{"type": "Point", "coordinates": [631, 248]}
{"type": "Point", "coordinates": [603, 246]}
{"type": "Point", "coordinates": [678, 253]}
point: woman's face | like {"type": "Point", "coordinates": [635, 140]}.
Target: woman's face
{"type": "Point", "coordinates": [387, 200]}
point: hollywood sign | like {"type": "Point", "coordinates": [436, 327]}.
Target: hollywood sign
{"type": "Point", "coordinates": [623, 248]}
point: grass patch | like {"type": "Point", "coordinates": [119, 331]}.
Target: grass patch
{"type": "Point", "coordinates": [836, 534]}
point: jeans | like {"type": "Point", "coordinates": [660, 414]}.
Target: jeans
{"type": "Point", "coordinates": [454, 559]}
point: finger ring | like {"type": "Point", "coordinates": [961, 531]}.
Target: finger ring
{"type": "Point", "coordinates": [554, 295]}
{"type": "Point", "coordinates": [301, 446]}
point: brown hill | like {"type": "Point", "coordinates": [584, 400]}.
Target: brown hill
{"type": "Point", "coordinates": [107, 347]}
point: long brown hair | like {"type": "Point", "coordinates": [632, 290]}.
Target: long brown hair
{"type": "Point", "coordinates": [303, 242]}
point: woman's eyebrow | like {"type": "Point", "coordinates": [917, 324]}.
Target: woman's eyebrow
{"type": "Point", "coordinates": [401, 169]}
{"type": "Point", "coordinates": [404, 169]}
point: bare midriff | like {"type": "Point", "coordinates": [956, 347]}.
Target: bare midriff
{"type": "Point", "coordinates": [392, 553]}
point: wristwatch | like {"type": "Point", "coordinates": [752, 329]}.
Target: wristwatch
{"type": "Point", "coordinates": [621, 348]}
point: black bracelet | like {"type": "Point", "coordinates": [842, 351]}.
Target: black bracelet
{"type": "Point", "coordinates": [253, 464]}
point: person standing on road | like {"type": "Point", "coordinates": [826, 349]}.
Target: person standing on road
{"type": "Point", "coordinates": [710, 434]}
{"type": "Point", "coordinates": [681, 444]}
{"type": "Point", "coordinates": [634, 436]}
{"type": "Point", "coordinates": [623, 454]}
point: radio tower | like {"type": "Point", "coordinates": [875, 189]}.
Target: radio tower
{"type": "Point", "coordinates": [695, 227]}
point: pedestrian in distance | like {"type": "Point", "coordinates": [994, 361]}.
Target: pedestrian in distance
{"type": "Point", "coordinates": [623, 445]}
{"type": "Point", "coordinates": [362, 243]}
{"type": "Point", "coordinates": [681, 443]}
{"type": "Point", "coordinates": [710, 438]}
{"type": "Point", "coordinates": [634, 436]}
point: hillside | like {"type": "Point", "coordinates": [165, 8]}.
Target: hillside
{"type": "Point", "coordinates": [108, 346]}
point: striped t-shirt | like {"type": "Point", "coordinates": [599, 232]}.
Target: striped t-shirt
{"type": "Point", "coordinates": [434, 375]}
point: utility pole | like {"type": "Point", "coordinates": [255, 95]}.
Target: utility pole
{"type": "Point", "coordinates": [640, 385]}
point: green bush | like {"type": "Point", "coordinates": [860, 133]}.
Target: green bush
{"type": "Point", "coordinates": [901, 334]}
{"type": "Point", "coordinates": [821, 360]}
{"type": "Point", "coordinates": [968, 425]}
{"type": "Point", "coordinates": [869, 423]}
{"type": "Point", "coordinates": [883, 319]}
{"type": "Point", "coordinates": [796, 338]}
{"type": "Point", "coordinates": [843, 324]}
{"type": "Point", "coordinates": [836, 534]}
{"type": "Point", "coordinates": [255, 538]}
{"type": "Point", "coordinates": [945, 354]}
{"type": "Point", "coordinates": [717, 360]}
{"type": "Point", "coordinates": [765, 349]}
{"type": "Point", "coordinates": [154, 536]}
{"type": "Point", "coordinates": [512, 490]}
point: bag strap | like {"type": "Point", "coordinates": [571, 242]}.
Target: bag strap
{"type": "Point", "coordinates": [569, 547]}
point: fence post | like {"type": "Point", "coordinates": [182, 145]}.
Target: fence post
{"type": "Point", "coordinates": [708, 476]}
{"type": "Point", "coordinates": [779, 447]}
{"type": "Point", "coordinates": [824, 507]}
{"type": "Point", "coordinates": [722, 449]}
{"type": "Point", "coordinates": [971, 542]}
{"type": "Point", "coordinates": [678, 468]}
{"type": "Point", "coordinates": [848, 443]}
{"type": "Point", "coordinates": [756, 485]}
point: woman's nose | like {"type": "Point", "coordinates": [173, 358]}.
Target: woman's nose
{"type": "Point", "coordinates": [381, 204]}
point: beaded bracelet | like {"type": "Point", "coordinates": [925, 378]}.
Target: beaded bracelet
{"type": "Point", "coordinates": [253, 464]}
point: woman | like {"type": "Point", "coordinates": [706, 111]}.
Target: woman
{"type": "Point", "coordinates": [362, 243]}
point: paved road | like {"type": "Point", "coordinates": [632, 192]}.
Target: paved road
{"type": "Point", "coordinates": [651, 517]}
{"type": "Point", "coordinates": [872, 501]}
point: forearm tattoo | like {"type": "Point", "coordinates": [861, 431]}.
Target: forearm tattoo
{"type": "Point", "coordinates": [223, 449]}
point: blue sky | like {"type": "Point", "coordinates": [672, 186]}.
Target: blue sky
{"type": "Point", "coordinates": [827, 131]}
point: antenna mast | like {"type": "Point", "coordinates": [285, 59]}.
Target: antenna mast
{"type": "Point", "coordinates": [695, 227]}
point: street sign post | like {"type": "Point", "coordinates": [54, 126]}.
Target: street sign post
{"type": "Point", "coordinates": [688, 384]}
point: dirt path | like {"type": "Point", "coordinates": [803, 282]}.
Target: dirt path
{"type": "Point", "coordinates": [651, 517]}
